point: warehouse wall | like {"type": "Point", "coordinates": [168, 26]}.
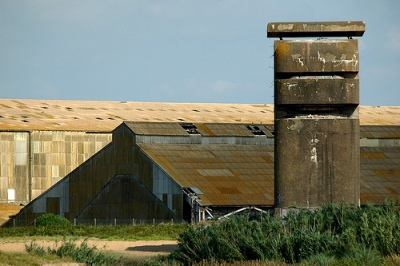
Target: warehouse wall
{"type": "Point", "coordinates": [96, 188]}
{"type": "Point", "coordinates": [31, 162]}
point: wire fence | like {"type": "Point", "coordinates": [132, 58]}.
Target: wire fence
{"type": "Point", "coordinates": [118, 222]}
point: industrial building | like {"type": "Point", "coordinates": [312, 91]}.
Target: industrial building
{"type": "Point", "coordinates": [163, 161]}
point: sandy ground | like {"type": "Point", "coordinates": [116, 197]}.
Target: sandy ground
{"type": "Point", "coordinates": [7, 210]}
{"type": "Point", "coordinates": [125, 248]}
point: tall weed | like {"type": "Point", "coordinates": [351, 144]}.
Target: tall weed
{"type": "Point", "coordinates": [79, 253]}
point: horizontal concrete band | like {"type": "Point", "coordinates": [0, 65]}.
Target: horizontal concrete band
{"type": "Point", "coordinates": [338, 56]}
{"type": "Point", "coordinates": [317, 91]}
{"type": "Point", "coordinates": [316, 29]}
{"type": "Point", "coordinates": [316, 162]}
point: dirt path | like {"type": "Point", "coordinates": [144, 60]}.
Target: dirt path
{"type": "Point", "coordinates": [125, 248]}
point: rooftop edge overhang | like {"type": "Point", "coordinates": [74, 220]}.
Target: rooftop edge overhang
{"type": "Point", "coordinates": [315, 29]}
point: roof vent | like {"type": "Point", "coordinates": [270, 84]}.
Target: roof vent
{"type": "Point", "coordinates": [255, 130]}
{"type": "Point", "coordinates": [189, 128]}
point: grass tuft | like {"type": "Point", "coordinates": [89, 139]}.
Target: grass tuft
{"type": "Point", "coordinates": [79, 253]}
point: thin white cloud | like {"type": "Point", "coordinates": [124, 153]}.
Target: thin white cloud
{"type": "Point", "coordinates": [393, 40]}
{"type": "Point", "coordinates": [222, 86]}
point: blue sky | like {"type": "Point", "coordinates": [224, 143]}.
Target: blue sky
{"type": "Point", "coordinates": [176, 51]}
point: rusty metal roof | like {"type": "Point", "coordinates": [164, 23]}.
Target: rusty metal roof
{"type": "Point", "coordinates": [205, 129]}
{"type": "Point", "coordinates": [227, 175]}
{"type": "Point", "coordinates": [241, 130]}
{"type": "Point", "coordinates": [380, 174]}
{"type": "Point", "coordinates": [380, 132]}
{"type": "Point", "coordinates": [105, 116]}
{"type": "Point", "coordinates": [231, 175]}
{"type": "Point", "coordinates": [160, 129]}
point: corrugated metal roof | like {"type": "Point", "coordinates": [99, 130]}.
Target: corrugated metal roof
{"type": "Point", "coordinates": [208, 129]}
{"type": "Point", "coordinates": [238, 130]}
{"type": "Point", "coordinates": [379, 115]}
{"type": "Point", "coordinates": [160, 129]}
{"type": "Point", "coordinates": [244, 174]}
{"type": "Point", "coordinates": [223, 130]}
{"type": "Point", "coordinates": [380, 174]}
{"type": "Point", "coordinates": [105, 116]}
{"type": "Point", "coordinates": [380, 132]}
{"type": "Point", "coordinates": [227, 175]}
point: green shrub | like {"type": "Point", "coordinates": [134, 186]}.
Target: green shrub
{"type": "Point", "coordinates": [348, 233]}
{"type": "Point", "coordinates": [34, 248]}
{"type": "Point", "coordinates": [123, 232]}
{"type": "Point", "coordinates": [68, 248]}
{"type": "Point", "coordinates": [49, 219]}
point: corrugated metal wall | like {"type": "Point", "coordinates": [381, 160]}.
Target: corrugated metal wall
{"type": "Point", "coordinates": [167, 190]}
{"type": "Point", "coordinates": [31, 162]}
{"type": "Point", "coordinates": [82, 192]}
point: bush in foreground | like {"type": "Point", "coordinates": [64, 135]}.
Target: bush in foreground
{"type": "Point", "coordinates": [49, 219]}
{"type": "Point", "coordinates": [345, 233]}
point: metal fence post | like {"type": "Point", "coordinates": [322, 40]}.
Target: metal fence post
{"type": "Point", "coordinates": [94, 221]}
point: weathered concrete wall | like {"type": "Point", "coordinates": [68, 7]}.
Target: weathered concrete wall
{"type": "Point", "coordinates": [317, 161]}
{"type": "Point", "coordinates": [312, 90]}
{"type": "Point", "coordinates": [316, 56]}
{"type": "Point", "coordinates": [317, 135]}
{"type": "Point", "coordinates": [316, 29]}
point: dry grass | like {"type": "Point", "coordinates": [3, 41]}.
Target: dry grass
{"type": "Point", "coordinates": [18, 259]}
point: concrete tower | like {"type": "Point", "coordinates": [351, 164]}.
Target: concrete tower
{"type": "Point", "coordinates": [317, 151]}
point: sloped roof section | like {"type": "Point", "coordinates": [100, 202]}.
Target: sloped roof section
{"type": "Point", "coordinates": [232, 175]}
{"type": "Point", "coordinates": [227, 175]}
{"type": "Point", "coordinates": [379, 115]}
{"type": "Point", "coordinates": [159, 129]}
{"type": "Point", "coordinates": [380, 132]}
{"type": "Point", "coordinates": [104, 116]}
{"type": "Point", "coordinates": [380, 174]}
{"type": "Point", "coordinates": [238, 130]}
